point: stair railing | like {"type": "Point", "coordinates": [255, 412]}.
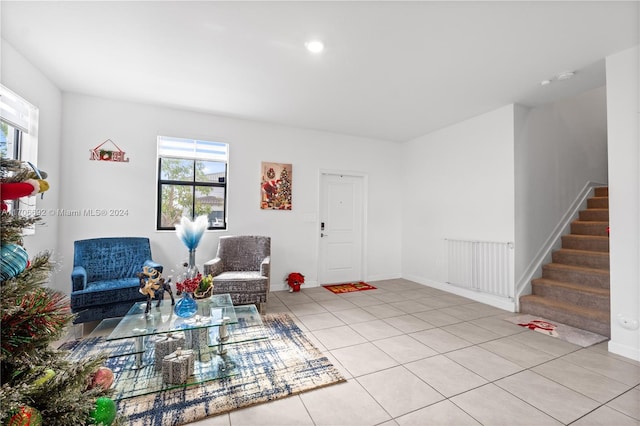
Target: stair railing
{"type": "Point", "coordinates": [553, 241]}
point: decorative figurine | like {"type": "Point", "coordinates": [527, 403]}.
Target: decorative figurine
{"type": "Point", "coordinates": [151, 284]}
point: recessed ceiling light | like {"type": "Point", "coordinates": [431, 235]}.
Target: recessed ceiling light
{"type": "Point", "coordinates": [545, 82]}
{"type": "Point", "coordinates": [314, 46]}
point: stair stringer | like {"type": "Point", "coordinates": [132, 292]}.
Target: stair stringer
{"type": "Point", "coordinates": [553, 242]}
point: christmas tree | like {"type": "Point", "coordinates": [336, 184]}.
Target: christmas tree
{"type": "Point", "coordinates": [284, 191]}
{"type": "Point", "coordinates": [39, 384]}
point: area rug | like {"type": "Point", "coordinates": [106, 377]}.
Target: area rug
{"type": "Point", "coordinates": [555, 329]}
{"type": "Point", "coordinates": [284, 364]}
{"type": "Point", "coordinates": [348, 287]}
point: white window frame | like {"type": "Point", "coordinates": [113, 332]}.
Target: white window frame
{"type": "Point", "coordinates": [21, 115]}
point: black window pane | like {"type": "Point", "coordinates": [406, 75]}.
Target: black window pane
{"type": "Point", "coordinates": [211, 171]}
{"type": "Point", "coordinates": [210, 202]}
{"type": "Point", "coordinates": [176, 169]}
{"type": "Point", "coordinates": [175, 201]}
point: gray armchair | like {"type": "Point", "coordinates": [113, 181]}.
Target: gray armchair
{"type": "Point", "coordinates": [242, 269]}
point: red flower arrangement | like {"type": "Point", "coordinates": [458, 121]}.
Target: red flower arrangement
{"type": "Point", "coordinates": [189, 285]}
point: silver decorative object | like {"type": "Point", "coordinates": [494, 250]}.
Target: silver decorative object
{"type": "Point", "coordinates": [166, 345]}
{"type": "Point", "coordinates": [197, 337]}
{"type": "Point", "coordinates": [178, 366]}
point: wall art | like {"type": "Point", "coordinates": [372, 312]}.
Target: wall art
{"type": "Point", "coordinates": [101, 153]}
{"type": "Point", "coordinates": [275, 187]}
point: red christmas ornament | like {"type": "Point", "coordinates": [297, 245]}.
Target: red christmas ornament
{"type": "Point", "coordinates": [26, 416]}
{"type": "Point", "coordinates": [103, 378]}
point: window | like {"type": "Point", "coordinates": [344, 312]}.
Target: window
{"type": "Point", "coordinates": [10, 138]}
{"type": "Point", "coordinates": [192, 181]}
{"type": "Point", "coordinates": [18, 141]}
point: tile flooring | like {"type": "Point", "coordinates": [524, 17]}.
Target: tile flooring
{"type": "Point", "coordinates": [414, 355]}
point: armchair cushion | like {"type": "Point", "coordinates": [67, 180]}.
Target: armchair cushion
{"type": "Point", "coordinates": [104, 278]}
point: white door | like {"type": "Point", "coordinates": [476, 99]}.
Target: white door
{"type": "Point", "coordinates": [341, 228]}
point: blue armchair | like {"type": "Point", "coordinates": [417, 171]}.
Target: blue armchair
{"type": "Point", "coordinates": [104, 282]}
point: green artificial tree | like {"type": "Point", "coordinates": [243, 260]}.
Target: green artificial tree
{"type": "Point", "coordinates": [39, 384]}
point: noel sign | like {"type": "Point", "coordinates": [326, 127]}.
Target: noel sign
{"type": "Point", "coordinates": [101, 153]}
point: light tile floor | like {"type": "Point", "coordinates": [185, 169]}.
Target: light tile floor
{"type": "Point", "coordinates": [413, 355]}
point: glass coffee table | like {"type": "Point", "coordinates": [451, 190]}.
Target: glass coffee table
{"type": "Point", "coordinates": [133, 336]}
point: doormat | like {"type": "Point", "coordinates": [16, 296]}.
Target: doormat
{"type": "Point", "coordinates": [348, 287]}
{"type": "Point", "coordinates": [286, 363]}
{"type": "Point", "coordinates": [564, 332]}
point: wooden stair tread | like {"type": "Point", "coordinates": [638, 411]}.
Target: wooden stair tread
{"type": "Point", "coordinates": [598, 291]}
{"type": "Point", "coordinates": [598, 315]}
{"type": "Point", "coordinates": [583, 252]}
{"type": "Point", "coordinates": [576, 268]}
{"type": "Point", "coordinates": [592, 222]}
{"type": "Point", "coordinates": [599, 243]}
{"type": "Point", "coordinates": [587, 237]}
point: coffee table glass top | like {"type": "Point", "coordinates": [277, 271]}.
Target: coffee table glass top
{"type": "Point", "coordinates": [162, 319]}
{"type": "Point", "coordinates": [134, 365]}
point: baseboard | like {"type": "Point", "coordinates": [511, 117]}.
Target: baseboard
{"type": "Point", "coordinates": [314, 283]}
{"type": "Point", "coordinates": [284, 286]}
{"type": "Point", "coordinates": [488, 299]}
{"type": "Point", "coordinates": [625, 351]}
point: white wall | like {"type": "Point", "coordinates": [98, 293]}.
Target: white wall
{"type": "Point", "coordinates": [458, 184]}
{"type": "Point", "coordinates": [88, 121]}
{"type": "Point", "coordinates": [623, 109]}
{"type": "Point", "coordinates": [27, 81]}
{"type": "Point", "coordinates": [559, 147]}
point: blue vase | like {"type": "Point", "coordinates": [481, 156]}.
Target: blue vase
{"type": "Point", "coordinates": [187, 306]}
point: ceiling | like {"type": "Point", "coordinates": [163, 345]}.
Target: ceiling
{"type": "Point", "coordinates": [390, 70]}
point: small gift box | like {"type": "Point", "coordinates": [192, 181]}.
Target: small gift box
{"type": "Point", "coordinates": [197, 337]}
{"type": "Point", "coordinates": [178, 366]}
{"type": "Point", "coordinates": [166, 345]}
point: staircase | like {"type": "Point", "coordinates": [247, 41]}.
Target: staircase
{"type": "Point", "coordinates": [574, 288]}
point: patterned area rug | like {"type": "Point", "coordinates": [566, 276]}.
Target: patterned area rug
{"type": "Point", "coordinates": [348, 287]}
{"type": "Point", "coordinates": [555, 329]}
{"type": "Point", "coordinates": [285, 364]}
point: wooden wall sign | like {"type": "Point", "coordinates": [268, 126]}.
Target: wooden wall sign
{"type": "Point", "coordinates": [101, 153]}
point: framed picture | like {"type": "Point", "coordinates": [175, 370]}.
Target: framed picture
{"type": "Point", "coordinates": [275, 186]}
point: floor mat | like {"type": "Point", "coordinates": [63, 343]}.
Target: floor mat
{"type": "Point", "coordinates": [348, 287]}
{"type": "Point", "coordinates": [555, 329]}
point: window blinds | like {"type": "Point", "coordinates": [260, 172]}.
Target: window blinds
{"type": "Point", "coordinates": [192, 149]}
{"type": "Point", "coordinates": [15, 111]}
